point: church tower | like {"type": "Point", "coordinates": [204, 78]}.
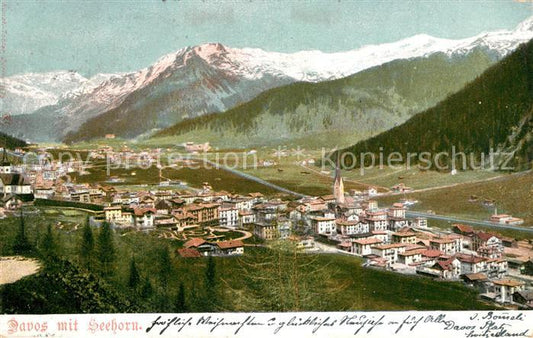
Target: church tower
{"type": "Point", "coordinates": [338, 184]}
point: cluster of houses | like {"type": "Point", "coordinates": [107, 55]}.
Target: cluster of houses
{"type": "Point", "coordinates": [383, 237]}
{"type": "Point", "coordinates": [505, 219]}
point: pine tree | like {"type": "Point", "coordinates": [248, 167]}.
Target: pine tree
{"type": "Point", "coordinates": [195, 302]}
{"type": "Point", "coordinates": [210, 301]}
{"type": "Point", "coordinates": [147, 289]}
{"type": "Point", "coordinates": [134, 278]}
{"type": "Point", "coordinates": [49, 247]}
{"type": "Point", "coordinates": [86, 248]}
{"type": "Point", "coordinates": [106, 249]}
{"type": "Point", "coordinates": [210, 273]}
{"type": "Point", "coordinates": [21, 244]}
{"type": "Point", "coordinates": [181, 305]}
{"type": "Point", "coordinates": [165, 266]}
{"type": "Point", "coordinates": [284, 279]}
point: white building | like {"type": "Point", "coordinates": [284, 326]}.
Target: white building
{"type": "Point", "coordinates": [144, 217]}
{"type": "Point", "coordinates": [115, 215]}
{"type": "Point", "coordinates": [229, 217]}
{"type": "Point", "coordinates": [409, 257]}
{"type": "Point", "coordinates": [14, 184]}
{"type": "Point", "coordinates": [389, 251]}
{"type": "Point", "coordinates": [447, 245]}
{"type": "Point", "coordinates": [363, 246]}
{"type": "Point", "coordinates": [246, 218]}
{"type": "Point", "coordinates": [323, 225]}
{"type": "Point", "coordinates": [346, 227]}
{"type": "Point", "coordinates": [505, 289]}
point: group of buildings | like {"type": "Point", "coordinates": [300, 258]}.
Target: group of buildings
{"type": "Point", "coordinates": [384, 237]}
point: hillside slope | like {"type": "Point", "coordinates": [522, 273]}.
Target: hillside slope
{"type": "Point", "coordinates": [494, 111]}
{"type": "Point", "coordinates": [10, 142]}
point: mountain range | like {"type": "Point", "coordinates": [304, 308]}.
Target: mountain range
{"type": "Point", "coordinates": [337, 112]}
{"type": "Point", "coordinates": [200, 80]}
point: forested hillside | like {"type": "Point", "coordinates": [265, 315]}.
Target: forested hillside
{"type": "Point", "coordinates": [494, 111]}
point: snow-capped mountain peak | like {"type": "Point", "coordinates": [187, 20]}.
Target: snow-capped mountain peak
{"type": "Point", "coordinates": [27, 92]}
{"type": "Point", "coordinates": [212, 77]}
{"type": "Point", "coordinates": [314, 65]}
{"type": "Point", "coordinates": [525, 26]}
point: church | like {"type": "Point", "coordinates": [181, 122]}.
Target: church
{"type": "Point", "coordinates": [13, 185]}
{"type": "Point", "coordinates": [338, 185]}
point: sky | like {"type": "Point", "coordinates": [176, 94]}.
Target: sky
{"type": "Point", "coordinates": [105, 36]}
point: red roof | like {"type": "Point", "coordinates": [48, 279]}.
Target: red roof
{"type": "Point", "coordinates": [441, 240]}
{"type": "Point", "coordinates": [185, 216]}
{"type": "Point", "coordinates": [409, 253]}
{"type": "Point", "coordinates": [470, 259]}
{"type": "Point", "coordinates": [390, 246]}
{"type": "Point", "coordinates": [142, 211]}
{"type": "Point", "coordinates": [230, 244]}
{"type": "Point", "coordinates": [444, 265]}
{"type": "Point", "coordinates": [476, 276]}
{"type": "Point", "coordinates": [464, 228]}
{"type": "Point", "coordinates": [194, 242]}
{"type": "Point", "coordinates": [508, 282]}
{"type": "Point", "coordinates": [189, 253]}
{"type": "Point", "coordinates": [404, 234]}
{"type": "Point", "coordinates": [367, 241]}
{"type": "Point", "coordinates": [431, 253]}
{"type": "Point", "coordinates": [485, 236]}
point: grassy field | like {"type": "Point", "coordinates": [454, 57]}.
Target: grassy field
{"type": "Point", "coordinates": [287, 171]}
{"type": "Point", "coordinates": [311, 180]}
{"type": "Point", "coordinates": [218, 179]}
{"type": "Point", "coordinates": [363, 289]}
{"type": "Point", "coordinates": [513, 194]}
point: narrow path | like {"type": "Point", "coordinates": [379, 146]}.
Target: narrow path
{"type": "Point", "coordinates": [318, 172]}
{"type": "Point", "coordinates": [446, 186]}
{"type": "Point", "coordinates": [468, 221]}
{"type": "Point", "coordinates": [246, 234]}
{"type": "Point", "coordinates": [460, 183]}
{"type": "Point", "coordinates": [14, 268]}
{"type": "Point", "coordinates": [253, 178]}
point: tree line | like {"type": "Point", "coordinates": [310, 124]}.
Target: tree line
{"type": "Point", "coordinates": [96, 261]}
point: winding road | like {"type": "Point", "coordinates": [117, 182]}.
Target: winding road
{"type": "Point", "coordinates": [252, 178]}
{"type": "Point", "coordinates": [468, 221]}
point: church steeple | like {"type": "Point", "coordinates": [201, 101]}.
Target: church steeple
{"type": "Point", "coordinates": [338, 184]}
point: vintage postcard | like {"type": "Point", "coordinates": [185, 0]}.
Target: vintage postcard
{"type": "Point", "coordinates": [289, 168]}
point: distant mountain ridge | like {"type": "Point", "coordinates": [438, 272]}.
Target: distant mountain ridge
{"type": "Point", "coordinates": [26, 93]}
{"type": "Point", "coordinates": [337, 112]}
{"type": "Point", "coordinates": [213, 78]}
